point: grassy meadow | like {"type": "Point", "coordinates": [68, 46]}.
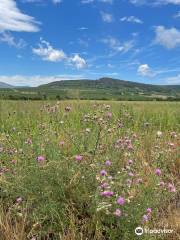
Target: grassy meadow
{"type": "Point", "coordinates": [88, 170]}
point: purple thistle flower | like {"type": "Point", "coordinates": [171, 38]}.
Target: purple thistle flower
{"type": "Point", "coordinates": [149, 210]}
{"type": "Point", "coordinates": [103, 173]}
{"type": "Point", "coordinates": [108, 163]}
{"type": "Point", "coordinates": [117, 212]}
{"type": "Point", "coordinates": [158, 171]}
{"type": "Point", "coordinates": [130, 161]}
{"type": "Point", "coordinates": [19, 200]}
{"type": "Point", "coordinates": [107, 193]}
{"type": "Point", "coordinates": [121, 201]}
{"type": "Point", "coordinates": [79, 157]}
{"type": "Point", "coordinates": [171, 187]}
{"type": "Point", "coordinates": [104, 185]}
{"type": "Point", "coordinates": [145, 218]}
{"type": "Point", "coordinates": [40, 158]}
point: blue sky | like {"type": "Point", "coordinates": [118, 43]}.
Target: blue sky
{"type": "Point", "coordinates": [50, 40]}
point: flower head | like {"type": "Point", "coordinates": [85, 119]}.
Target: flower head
{"type": "Point", "coordinates": [158, 171]}
{"type": "Point", "coordinates": [117, 212]}
{"type": "Point", "coordinates": [171, 187]}
{"type": "Point", "coordinates": [149, 210]}
{"type": "Point", "coordinates": [108, 163]}
{"type": "Point", "coordinates": [41, 158]}
{"type": "Point", "coordinates": [121, 201]}
{"type": "Point", "coordinates": [79, 157]}
{"type": "Point", "coordinates": [107, 193]}
{"type": "Point", "coordinates": [103, 172]}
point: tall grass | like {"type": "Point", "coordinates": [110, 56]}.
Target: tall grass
{"type": "Point", "coordinates": [56, 182]}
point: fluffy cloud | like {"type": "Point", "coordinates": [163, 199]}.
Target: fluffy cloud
{"type": "Point", "coordinates": [131, 19]}
{"type": "Point", "coordinates": [48, 53]}
{"type": "Point", "coordinates": [78, 61]}
{"type": "Point", "coordinates": [117, 46]}
{"type": "Point", "coordinates": [107, 17]}
{"type": "Point", "coordinates": [169, 38]}
{"type": "Point", "coordinates": [155, 2]}
{"type": "Point", "coordinates": [145, 71]}
{"type": "Point", "coordinates": [11, 41]}
{"type": "Point", "coordinates": [40, 1]}
{"type": "Point", "coordinates": [20, 80]}
{"type": "Point", "coordinates": [12, 19]}
{"type": "Point", "coordinates": [91, 1]}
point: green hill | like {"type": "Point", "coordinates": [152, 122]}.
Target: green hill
{"type": "Point", "coordinates": [103, 88]}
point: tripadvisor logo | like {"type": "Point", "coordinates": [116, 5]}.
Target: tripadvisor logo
{"type": "Point", "coordinates": [139, 231]}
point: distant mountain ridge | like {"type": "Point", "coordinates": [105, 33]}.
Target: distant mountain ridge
{"type": "Point", "coordinates": [108, 83]}
{"type": "Point", "coordinates": [5, 85]}
{"type": "Point", "coordinates": [100, 89]}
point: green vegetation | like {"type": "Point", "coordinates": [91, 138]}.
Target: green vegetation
{"type": "Point", "coordinates": [102, 89]}
{"type": "Point", "coordinates": [93, 170]}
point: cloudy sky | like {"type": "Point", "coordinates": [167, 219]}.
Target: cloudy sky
{"type": "Point", "coordinates": [50, 40]}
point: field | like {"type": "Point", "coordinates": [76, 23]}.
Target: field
{"type": "Point", "coordinates": [88, 170]}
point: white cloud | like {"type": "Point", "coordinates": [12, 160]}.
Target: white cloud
{"type": "Point", "coordinates": [155, 2]}
{"type": "Point", "coordinates": [91, 1]}
{"type": "Point", "coordinates": [78, 61]}
{"type": "Point", "coordinates": [106, 1]}
{"type": "Point", "coordinates": [145, 71]}
{"type": "Point", "coordinates": [56, 1]}
{"type": "Point", "coordinates": [12, 19]}
{"type": "Point", "coordinates": [11, 41]}
{"type": "Point", "coordinates": [36, 80]}
{"type": "Point", "coordinates": [169, 38]}
{"type": "Point", "coordinates": [41, 1]}
{"type": "Point", "coordinates": [48, 53]}
{"type": "Point", "coordinates": [131, 19]}
{"type": "Point", "coordinates": [117, 46]}
{"type": "Point", "coordinates": [107, 17]}
{"type": "Point", "coordinates": [173, 80]}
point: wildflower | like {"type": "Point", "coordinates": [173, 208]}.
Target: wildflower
{"type": "Point", "coordinates": [107, 193]}
{"type": "Point", "coordinates": [13, 161]}
{"type": "Point", "coordinates": [130, 161]}
{"type": "Point", "coordinates": [145, 218]}
{"type": "Point", "coordinates": [139, 180]}
{"type": "Point", "coordinates": [109, 114]}
{"type": "Point", "coordinates": [161, 184]}
{"type": "Point", "coordinates": [121, 201]}
{"type": "Point", "coordinates": [19, 200]}
{"type": "Point", "coordinates": [117, 212]}
{"type": "Point", "coordinates": [149, 210]}
{"type": "Point", "coordinates": [103, 172]}
{"type": "Point", "coordinates": [171, 187]}
{"type": "Point", "coordinates": [40, 158]}
{"type": "Point", "coordinates": [61, 143]}
{"type": "Point", "coordinates": [104, 185]}
{"type": "Point", "coordinates": [158, 171]}
{"type": "Point", "coordinates": [108, 163]}
{"type": "Point", "coordinates": [78, 157]}
{"type": "Point", "coordinates": [131, 174]}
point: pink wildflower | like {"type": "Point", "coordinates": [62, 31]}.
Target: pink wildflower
{"type": "Point", "coordinates": [121, 201]}
{"type": "Point", "coordinates": [103, 172]}
{"type": "Point", "coordinates": [78, 157]}
{"type": "Point", "coordinates": [158, 171]}
{"type": "Point", "coordinates": [117, 212]}
{"type": "Point", "coordinates": [107, 193]}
